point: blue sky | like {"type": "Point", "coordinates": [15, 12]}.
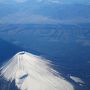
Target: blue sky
{"type": "Point", "coordinates": [49, 1]}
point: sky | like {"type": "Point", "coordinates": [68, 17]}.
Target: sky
{"type": "Point", "coordinates": [49, 1]}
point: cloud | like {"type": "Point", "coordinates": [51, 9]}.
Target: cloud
{"type": "Point", "coordinates": [50, 1]}
{"type": "Point", "coordinates": [25, 17]}
{"type": "Point", "coordinates": [20, 1]}
{"type": "Point", "coordinates": [65, 1]}
{"type": "Point", "coordinates": [12, 1]}
{"type": "Point", "coordinates": [55, 1]}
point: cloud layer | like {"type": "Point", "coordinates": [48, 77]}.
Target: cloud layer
{"type": "Point", "coordinates": [48, 1]}
{"type": "Point", "coordinates": [20, 1]}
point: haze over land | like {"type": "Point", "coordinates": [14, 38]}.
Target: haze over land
{"type": "Point", "coordinates": [44, 11]}
{"type": "Point", "coordinates": [58, 30]}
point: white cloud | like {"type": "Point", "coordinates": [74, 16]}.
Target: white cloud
{"type": "Point", "coordinates": [54, 1]}
{"type": "Point", "coordinates": [24, 17]}
{"type": "Point", "coordinates": [50, 1]}
{"type": "Point", "coordinates": [20, 1]}
{"type": "Point", "coordinates": [12, 1]}
{"type": "Point", "coordinates": [27, 17]}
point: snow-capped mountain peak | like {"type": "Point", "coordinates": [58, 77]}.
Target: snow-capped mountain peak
{"type": "Point", "coordinates": [32, 72]}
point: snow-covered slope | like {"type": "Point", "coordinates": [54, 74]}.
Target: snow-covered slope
{"type": "Point", "coordinates": [32, 72]}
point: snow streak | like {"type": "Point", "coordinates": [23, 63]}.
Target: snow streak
{"type": "Point", "coordinates": [32, 72]}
